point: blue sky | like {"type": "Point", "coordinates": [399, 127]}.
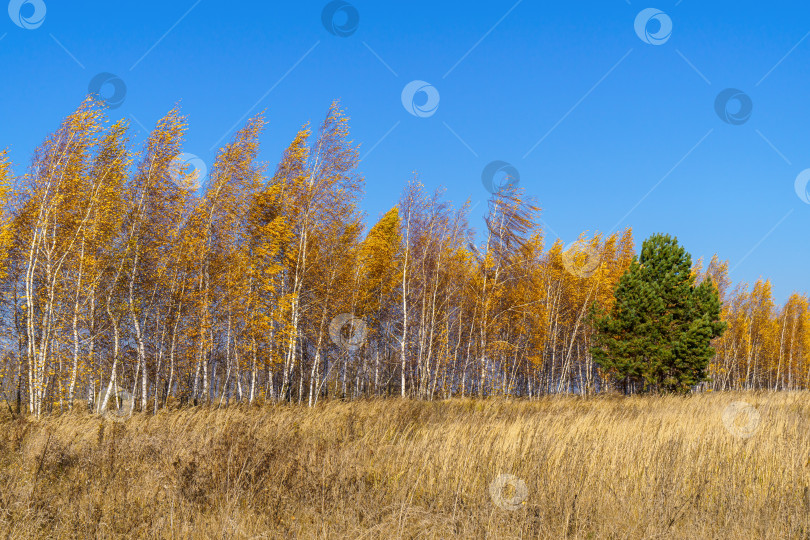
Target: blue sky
{"type": "Point", "coordinates": [605, 129]}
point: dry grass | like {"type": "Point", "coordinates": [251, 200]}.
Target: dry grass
{"type": "Point", "coordinates": [609, 467]}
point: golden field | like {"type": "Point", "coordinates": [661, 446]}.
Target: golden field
{"type": "Point", "coordinates": [599, 467]}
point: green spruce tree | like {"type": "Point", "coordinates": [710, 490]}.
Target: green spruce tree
{"type": "Point", "coordinates": [657, 336]}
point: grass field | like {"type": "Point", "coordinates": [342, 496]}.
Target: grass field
{"type": "Point", "coordinates": [607, 467]}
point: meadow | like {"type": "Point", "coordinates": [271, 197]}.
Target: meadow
{"type": "Point", "coordinates": [697, 466]}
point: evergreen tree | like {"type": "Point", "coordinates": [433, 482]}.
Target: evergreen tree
{"type": "Point", "coordinates": [658, 334]}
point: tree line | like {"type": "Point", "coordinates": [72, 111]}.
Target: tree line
{"type": "Point", "coordinates": [119, 276]}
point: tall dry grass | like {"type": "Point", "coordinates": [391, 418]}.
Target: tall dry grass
{"type": "Point", "coordinates": [608, 467]}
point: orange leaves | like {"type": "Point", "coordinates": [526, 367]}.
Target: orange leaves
{"type": "Point", "coordinates": [764, 347]}
{"type": "Point", "coordinates": [378, 256]}
{"type": "Point", "coordinates": [114, 271]}
{"type": "Point", "coordinates": [6, 217]}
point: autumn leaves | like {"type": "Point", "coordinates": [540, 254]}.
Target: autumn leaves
{"type": "Point", "coordinates": [119, 276]}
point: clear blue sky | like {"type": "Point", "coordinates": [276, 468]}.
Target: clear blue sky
{"type": "Point", "coordinates": [615, 116]}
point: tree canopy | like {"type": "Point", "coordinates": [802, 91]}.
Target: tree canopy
{"type": "Point", "coordinates": [121, 270]}
{"type": "Point", "coordinates": [659, 331]}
